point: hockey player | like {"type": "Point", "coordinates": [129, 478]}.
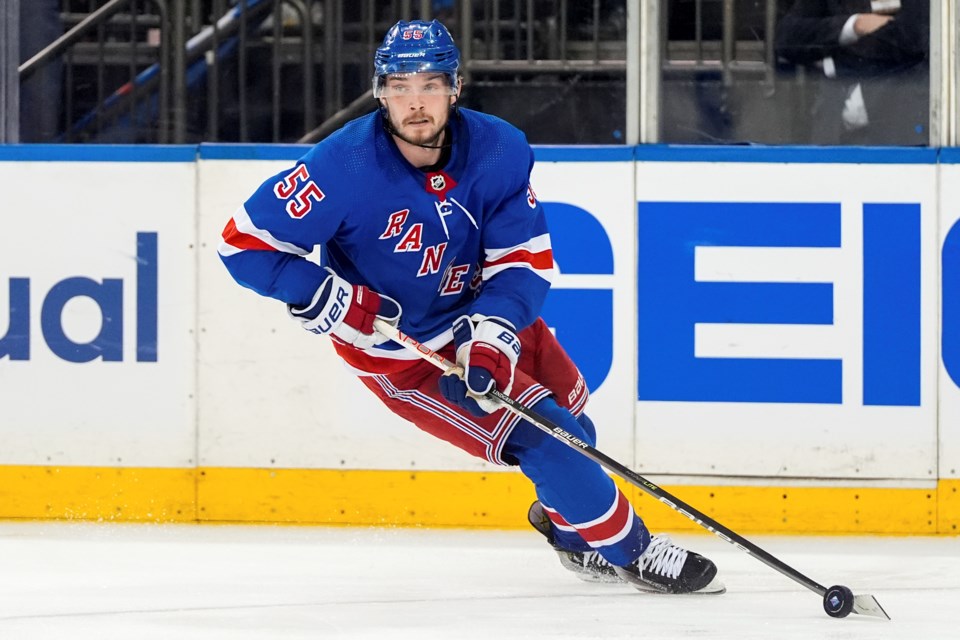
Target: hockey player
{"type": "Point", "coordinates": [427, 220]}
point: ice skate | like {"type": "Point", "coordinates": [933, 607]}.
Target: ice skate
{"type": "Point", "coordinates": [667, 568]}
{"type": "Point", "coordinates": [589, 566]}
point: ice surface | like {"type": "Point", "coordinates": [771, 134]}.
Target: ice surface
{"type": "Point", "coordinates": [217, 582]}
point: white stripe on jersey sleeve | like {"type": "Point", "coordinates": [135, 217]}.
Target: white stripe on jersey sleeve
{"type": "Point", "coordinates": [245, 225]}
{"type": "Point", "coordinates": [532, 254]}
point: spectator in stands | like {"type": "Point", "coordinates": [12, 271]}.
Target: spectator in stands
{"type": "Point", "coordinates": [872, 58]}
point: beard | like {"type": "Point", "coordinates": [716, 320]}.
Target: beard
{"type": "Point", "coordinates": [422, 136]}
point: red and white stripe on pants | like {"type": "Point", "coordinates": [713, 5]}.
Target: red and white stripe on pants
{"type": "Point", "coordinates": [610, 528]}
{"type": "Point", "coordinates": [544, 368]}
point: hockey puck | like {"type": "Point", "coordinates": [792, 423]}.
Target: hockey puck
{"type": "Point", "coordinates": [838, 601]}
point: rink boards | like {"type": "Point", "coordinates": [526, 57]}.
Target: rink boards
{"type": "Point", "coordinates": [772, 333]}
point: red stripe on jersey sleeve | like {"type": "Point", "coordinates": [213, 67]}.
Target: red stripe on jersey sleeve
{"type": "Point", "coordinates": [236, 238]}
{"type": "Point", "coordinates": [539, 260]}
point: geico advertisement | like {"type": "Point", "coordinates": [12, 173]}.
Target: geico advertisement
{"type": "Point", "coordinates": [730, 319]}
{"type": "Point", "coordinates": [591, 304]}
{"type": "Point", "coordinates": [96, 313]}
{"type": "Point", "coordinates": [949, 397]}
{"type": "Point", "coordinates": [787, 320]}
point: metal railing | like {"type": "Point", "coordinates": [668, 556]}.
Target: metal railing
{"type": "Point", "coordinates": [536, 38]}
{"type": "Point", "coordinates": [748, 53]}
{"type": "Point", "coordinates": [142, 61]}
{"type": "Point", "coordinates": [184, 70]}
{"type": "Point", "coordinates": [87, 40]}
{"type": "Point", "coordinates": [9, 84]}
{"type": "Point", "coordinates": [295, 70]}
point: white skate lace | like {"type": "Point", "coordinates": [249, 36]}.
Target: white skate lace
{"type": "Point", "coordinates": [593, 557]}
{"type": "Point", "coordinates": [663, 557]}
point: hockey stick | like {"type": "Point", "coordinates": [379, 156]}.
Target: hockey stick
{"type": "Point", "coordinates": [838, 601]}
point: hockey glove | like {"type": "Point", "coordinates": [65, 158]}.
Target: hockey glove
{"type": "Point", "coordinates": [488, 350]}
{"type": "Point", "coordinates": [347, 311]}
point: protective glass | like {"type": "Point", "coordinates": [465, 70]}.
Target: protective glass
{"type": "Point", "coordinates": [414, 84]}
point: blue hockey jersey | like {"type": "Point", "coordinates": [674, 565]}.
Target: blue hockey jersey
{"type": "Point", "coordinates": [470, 238]}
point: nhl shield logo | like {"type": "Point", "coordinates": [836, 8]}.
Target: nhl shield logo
{"type": "Point", "coordinates": [439, 184]}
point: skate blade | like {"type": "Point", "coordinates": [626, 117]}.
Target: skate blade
{"type": "Point", "coordinates": [592, 579]}
{"type": "Point", "coordinates": [714, 588]}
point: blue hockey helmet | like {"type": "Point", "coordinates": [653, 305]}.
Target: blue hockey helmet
{"type": "Point", "coordinates": [416, 47]}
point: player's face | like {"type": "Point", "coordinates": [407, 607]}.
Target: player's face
{"type": "Point", "coordinates": [418, 105]}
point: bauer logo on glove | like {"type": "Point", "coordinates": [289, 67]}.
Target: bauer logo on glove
{"type": "Point", "coordinates": [488, 350]}
{"type": "Point", "coordinates": [346, 312]}
{"type": "Point", "coordinates": [330, 314]}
